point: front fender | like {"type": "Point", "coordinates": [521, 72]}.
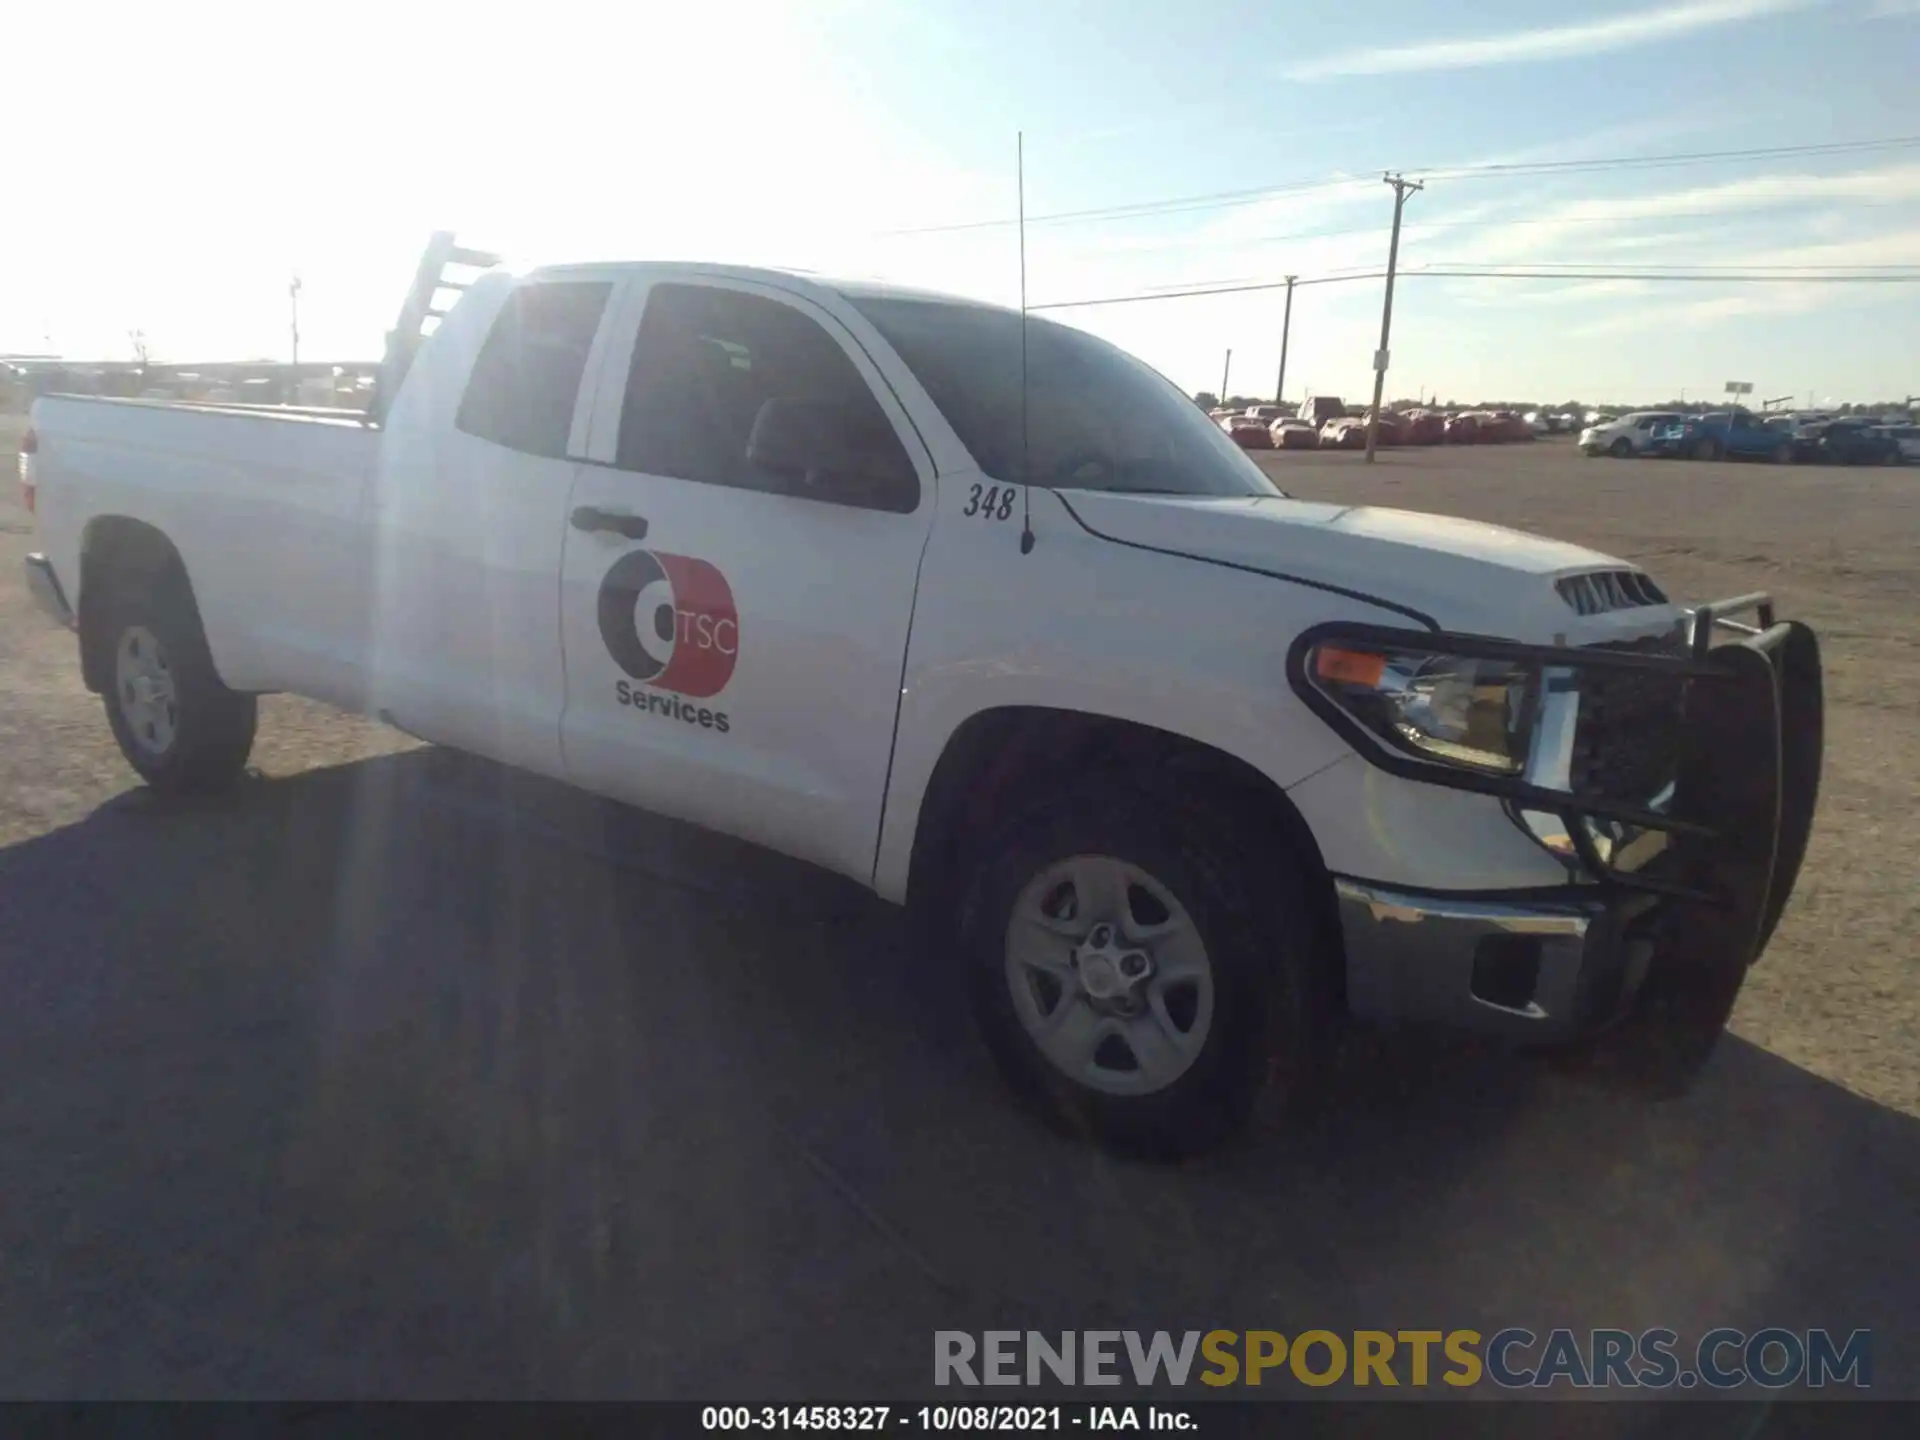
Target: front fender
{"type": "Point", "coordinates": [1098, 629]}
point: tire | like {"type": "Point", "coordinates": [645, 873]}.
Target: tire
{"type": "Point", "coordinates": [176, 722]}
{"type": "Point", "coordinates": [1621, 448]}
{"type": "Point", "coordinates": [1706, 449]}
{"type": "Point", "coordinates": [1783, 453]}
{"type": "Point", "coordinates": [1251, 987]}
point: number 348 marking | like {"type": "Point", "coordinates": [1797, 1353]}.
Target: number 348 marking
{"type": "Point", "coordinates": [991, 502]}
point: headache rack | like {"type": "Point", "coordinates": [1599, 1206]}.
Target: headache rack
{"type": "Point", "coordinates": [1747, 745]}
{"type": "Point", "coordinates": [403, 341]}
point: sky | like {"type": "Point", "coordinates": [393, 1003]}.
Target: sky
{"type": "Point", "coordinates": [174, 167]}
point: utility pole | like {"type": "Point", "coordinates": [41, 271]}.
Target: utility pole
{"type": "Point", "coordinates": [1225, 370]}
{"type": "Point", "coordinates": [293, 295]}
{"type": "Point", "coordinates": [1401, 189]}
{"type": "Point", "coordinates": [1286, 328]}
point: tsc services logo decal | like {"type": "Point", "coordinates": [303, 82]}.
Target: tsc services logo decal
{"type": "Point", "coordinates": [669, 622]}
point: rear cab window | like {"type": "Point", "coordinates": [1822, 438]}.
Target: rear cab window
{"type": "Point", "coordinates": [526, 379]}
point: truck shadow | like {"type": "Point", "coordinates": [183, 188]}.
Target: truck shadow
{"type": "Point", "coordinates": [418, 1077]}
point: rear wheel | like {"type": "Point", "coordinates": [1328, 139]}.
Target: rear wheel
{"type": "Point", "coordinates": [1783, 453]}
{"type": "Point", "coordinates": [1136, 977]}
{"type": "Point", "coordinates": [175, 721]}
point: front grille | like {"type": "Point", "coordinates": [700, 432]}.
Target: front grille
{"type": "Point", "coordinates": [1600, 592]}
{"type": "Point", "coordinates": [1626, 744]}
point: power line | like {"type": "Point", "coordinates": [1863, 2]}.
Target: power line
{"type": "Point", "coordinates": [1222, 199]}
{"type": "Point", "coordinates": [1205, 290]}
{"type": "Point", "coordinates": [1628, 269]}
{"type": "Point", "coordinates": [1909, 277]}
{"type": "Point", "coordinates": [1217, 200]}
{"type": "Point", "coordinates": [1731, 216]}
{"type": "Point", "coordinates": [1487, 274]}
{"type": "Point", "coordinates": [1654, 162]}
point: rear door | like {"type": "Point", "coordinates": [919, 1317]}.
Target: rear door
{"type": "Point", "coordinates": [469, 520]}
{"type": "Point", "coordinates": [735, 648]}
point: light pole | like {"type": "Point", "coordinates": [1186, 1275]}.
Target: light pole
{"type": "Point", "coordinates": [1226, 369]}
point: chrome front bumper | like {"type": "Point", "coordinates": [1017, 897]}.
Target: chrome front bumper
{"type": "Point", "coordinates": [1542, 967]}
{"type": "Point", "coordinates": [44, 586]}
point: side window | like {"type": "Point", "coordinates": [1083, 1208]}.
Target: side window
{"type": "Point", "coordinates": [715, 369]}
{"type": "Point", "coordinates": [527, 376]}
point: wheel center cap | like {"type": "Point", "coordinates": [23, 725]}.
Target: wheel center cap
{"type": "Point", "coordinates": [1108, 972]}
{"type": "Point", "coordinates": [1101, 977]}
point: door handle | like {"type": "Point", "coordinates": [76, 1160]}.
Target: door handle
{"type": "Point", "coordinates": [592, 517]}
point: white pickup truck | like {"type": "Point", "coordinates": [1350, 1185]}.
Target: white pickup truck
{"type": "Point", "coordinates": [982, 612]}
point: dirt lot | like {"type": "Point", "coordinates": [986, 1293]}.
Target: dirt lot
{"type": "Point", "coordinates": [397, 1075]}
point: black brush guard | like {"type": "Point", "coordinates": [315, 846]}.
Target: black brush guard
{"type": "Point", "coordinates": [1751, 737]}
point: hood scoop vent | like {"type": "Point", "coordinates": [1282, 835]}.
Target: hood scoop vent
{"type": "Point", "coordinates": [1600, 592]}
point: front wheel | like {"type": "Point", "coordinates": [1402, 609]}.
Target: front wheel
{"type": "Point", "coordinates": [176, 722]}
{"type": "Point", "coordinates": [1621, 448]}
{"type": "Point", "coordinates": [1136, 977]}
{"type": "Point", "coordinates": [1783, 453]}
{"type": "Point", "coordinates": [1707, 449]}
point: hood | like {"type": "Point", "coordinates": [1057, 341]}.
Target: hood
{"type": "Point", "coordinates": [1462, 574]}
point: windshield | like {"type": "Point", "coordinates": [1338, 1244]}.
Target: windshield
{"type": "Point", "coordinates": [1097, 419]}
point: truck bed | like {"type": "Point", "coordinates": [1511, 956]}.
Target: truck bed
{"type": "Point", "coordinates": [264, 505]}
{"type": "Point", "coordinates": [177, 451]}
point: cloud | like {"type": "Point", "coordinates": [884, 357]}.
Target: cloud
{"type": "Point", "coordinates": [1676, 317]}
{"type": "Point", "coordinates": [1556, 42]}
{"type": "Point", "coordinates": [1578, 223]}
{"type": "Point", "coordinates": [1892, 9]}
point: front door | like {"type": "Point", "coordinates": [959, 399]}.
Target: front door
{"type": "Point", "coordinates": [734, 640]}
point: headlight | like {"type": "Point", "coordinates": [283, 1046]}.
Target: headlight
{"type": "Point", "coordinates": [1471, 713]}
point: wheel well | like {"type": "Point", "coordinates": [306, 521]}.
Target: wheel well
{"type": "Point", "coordinates": [115, 552]}
{"type": "Point", "coordinates": [1002, 761]}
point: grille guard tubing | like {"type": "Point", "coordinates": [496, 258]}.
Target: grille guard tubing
{"type": "Point", "coordinates": [1749, 757]}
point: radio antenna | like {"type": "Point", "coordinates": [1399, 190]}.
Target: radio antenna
{"type": "Point", "coordinates": [1026, 442]}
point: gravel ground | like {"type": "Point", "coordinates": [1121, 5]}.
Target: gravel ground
{"type": "Point", "coordinates": [399, 1075]}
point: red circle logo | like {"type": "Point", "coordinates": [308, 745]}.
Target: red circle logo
{"type": "Point", "coordinates": [669, 621]}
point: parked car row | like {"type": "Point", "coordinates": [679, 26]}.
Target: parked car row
{"type": "Point", "coordinates": [1847, 440]}
{"type": "Point", "coordinates": [1324, 424]}
{"type": "Point", "coordinates": [1801, 437]}
{"type": "Point", "coordinates": [1810, 437]}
